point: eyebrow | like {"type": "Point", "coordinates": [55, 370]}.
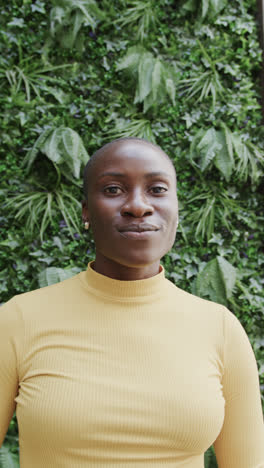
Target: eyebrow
{"type": "Point", "coordinates": [120, 174]}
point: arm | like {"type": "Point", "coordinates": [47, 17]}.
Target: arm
{"type": "Point", "coordinates": [11, 332]}
{"type": "Point", "coordinates": [240, 443]}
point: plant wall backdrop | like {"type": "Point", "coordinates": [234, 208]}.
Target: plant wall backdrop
{"type": "Point", "coordinates": [76, 74]}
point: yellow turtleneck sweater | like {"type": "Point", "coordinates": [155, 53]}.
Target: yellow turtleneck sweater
{"type": "Point", "coordinates": [122, 374]}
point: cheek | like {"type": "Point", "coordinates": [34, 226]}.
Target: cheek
{"type": "Point", "coordinates": [100, 228]}
{"type": "Point", "coordinates": [170, 217]}
{"type": "Point", "coordinates": [101, 222]}
{"type": "Point", "coordinates": [171, 227]}
{"type": "Point", "coordinates": [100, 213]}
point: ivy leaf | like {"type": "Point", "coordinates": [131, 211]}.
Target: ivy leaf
{"type": "Point", "coordinates": [38, 6]}
{"type": "Point", "coordinates": [191, 270]}
{"type": "Point", "coordinates": [18, 22]}
{"type": "Point", "coordinates": [216, 280]}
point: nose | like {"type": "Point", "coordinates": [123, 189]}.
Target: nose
{"type": "Point", "coordinates": [137, 205]}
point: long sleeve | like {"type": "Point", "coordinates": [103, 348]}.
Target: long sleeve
{"type": "Point", "coordinates": [11, 331]}
{"type": "Point", "coordinates": [240, 443]}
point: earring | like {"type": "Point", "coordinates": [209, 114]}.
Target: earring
{"type": "Point", "coordinates": [86, 225]}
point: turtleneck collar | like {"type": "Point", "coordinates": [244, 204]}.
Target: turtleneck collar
{"type": "Point", "coordinates": [124, 290]}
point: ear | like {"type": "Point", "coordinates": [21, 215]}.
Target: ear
{"type": "Point", "coordinates": [85, 212]}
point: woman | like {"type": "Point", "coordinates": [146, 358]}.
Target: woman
{"type": "Point", "coordinates": [118, 367]}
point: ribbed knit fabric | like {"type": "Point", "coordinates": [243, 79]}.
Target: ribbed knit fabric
{"type": "Point", "coordinates": [122, 374]}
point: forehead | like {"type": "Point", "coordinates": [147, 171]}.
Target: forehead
{"type": "Point", "coordinates": [133, 156]}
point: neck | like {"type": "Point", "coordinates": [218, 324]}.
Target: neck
{"type": "Point", "coordinates": [114, 270]}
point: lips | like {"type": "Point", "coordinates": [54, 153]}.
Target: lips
{"type": "Point", "coordinates": [143, 227]}
{"type": "Point", "coordinates": [143, 231]}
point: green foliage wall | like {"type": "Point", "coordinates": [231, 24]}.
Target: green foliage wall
{"type": "Point", "coordinates": [76, 74]}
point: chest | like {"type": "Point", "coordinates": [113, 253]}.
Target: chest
{"type": "Point", "coordinates": [120, 385]}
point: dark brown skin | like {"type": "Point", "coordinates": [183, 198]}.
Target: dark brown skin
{"type": "Point", "coordinates": [135, 199]}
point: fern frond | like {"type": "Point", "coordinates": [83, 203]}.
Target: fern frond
{"type": "Point", "coordinates": [206, 84]}
{"type": "Point", "coordinates": [249, 159]}
{"type": "Point", "coordinates": [140, 128]}
{"type": "Point", "coordinates": [140, 14]}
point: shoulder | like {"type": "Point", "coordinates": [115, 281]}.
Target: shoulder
{"type": "Point", "coordinates": [196, 303]}
{"type": "Point", "coordinates": [211, 314]}
{"type": "Point", "coordinates": [204, 317]}
{"type": "Point", "coordinates": [42, 298]}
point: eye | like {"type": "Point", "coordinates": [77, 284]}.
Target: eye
{"type": "Point", "coordinates": [159, 189]}
{"type": "Point", "coordinates": [113, 190]}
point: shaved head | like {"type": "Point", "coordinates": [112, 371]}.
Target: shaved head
{"type": "Point", "coordinates": [88, 168]}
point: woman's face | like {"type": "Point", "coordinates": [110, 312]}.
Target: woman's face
{"type": "Point", "coordinates": [132, 204]}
